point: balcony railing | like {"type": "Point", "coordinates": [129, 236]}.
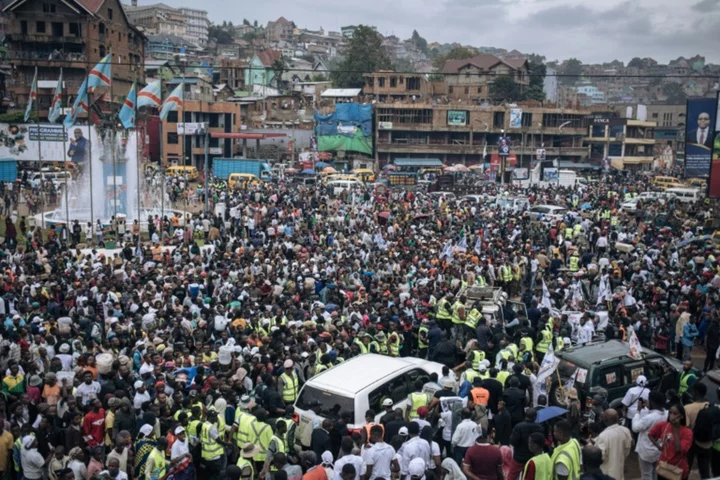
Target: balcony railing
{"type": "Point", "coordinates": [43, 38]}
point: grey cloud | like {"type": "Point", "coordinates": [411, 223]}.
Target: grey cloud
{"type": "Point", "coordinates": [706, 6]}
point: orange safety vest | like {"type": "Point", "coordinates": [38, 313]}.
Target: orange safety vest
{"type": "Point", "coordinates": [175, 221]}
{"type": "Point", "coordinates": [369, 426]}
{"type": "Point", "coordinates": [157, 253]}
{"type": "Point", "coordinates": [480, 396]}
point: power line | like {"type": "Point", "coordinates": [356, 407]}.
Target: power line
{"type": "Point", "coordinates": [37, 62]}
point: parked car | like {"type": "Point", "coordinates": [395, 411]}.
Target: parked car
{"type": "Point", "coordinates": [608, 365]}
{"type": "Point", "coordinates": [359, 384]}
{"type": "Point", "coordinates": [546, 213]}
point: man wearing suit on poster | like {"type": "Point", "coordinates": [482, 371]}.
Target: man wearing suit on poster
{"type": "Point", "coordinates": [702, 135]}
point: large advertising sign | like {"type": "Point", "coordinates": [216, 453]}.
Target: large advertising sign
{"type": "Point", "coordinates": [699, 133]}
{"type": "Point", "coordinates": [457, 118]}
{"type": "Point", "coordinates": [515, 118]}
{"type": "Point", "coordinates": [503, 146]}
{"type": "Point", "coordinates": [714, 183]}
{"type": "Point", "coordinates": [26, 142]}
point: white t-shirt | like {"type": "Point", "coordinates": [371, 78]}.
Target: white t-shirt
{"type": "Point", "coordinates": [88, 393]}
{"type": "Point", "coordinates": [630, 400]}
{"type": "Point", "coordinates": [355, 460]}
{"type": "Point", "coordinates": [380, 456]}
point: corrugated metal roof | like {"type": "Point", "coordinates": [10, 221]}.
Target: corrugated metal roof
{"type": "Point", "coordinates": [418, 162]}
{"type": "Point", "coordinates": [341, 92]}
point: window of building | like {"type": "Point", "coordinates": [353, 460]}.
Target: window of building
{"type": "Point", "coordinates": [40, 27]}
{"type": "Point", "coordinates": [450, 89]}
{"type": "Point", "coordinates": [467, 90]}
{"type": "Point", "coordinates": [172, 138]}
{"type": "Point", "coordinates": [23, 27]}
{"type": "Point", "coordinates": [499, 120]}
{"type": "Point", "coordinates": [381, 81]}
{"type": "Point", "coordinates": [616, 131]}
{"type": "Point", "coordinates": [393, 82]}
{"type": "Point", "coordinates": [214, 120]}
{"type": "Point", "coordinates": [402, 80]}
{"type": "Point", "coordinates": [102, 50]}
{"type": "Point", "coordinates": [598, 131]}
{"type": "Point", "coordinates": [480, 89]}
{"type": "Point", "coordinates": [527, 120]}
{"type": "Point", "coordinates": [110, 14]}
{"type": "Point", "coordinates": [413, 83]}
{"type": "Point", "coordinates": [57, 29]}
{"type": "Point", "coordinates": [74, 29]}
{"type": "Point", "coordinates": [48, 8]}
{"type": "Point", "coordinates": [101, 29]}
{"type": "Point", "coordinates": [655, 115]}
{"type": "Point", "coordinates": [615, 150]}
{"type": "Point", "coordinates": [172, 117]}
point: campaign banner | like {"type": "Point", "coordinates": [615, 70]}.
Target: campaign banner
{"type": "Point", "coordinates": [520, 174]}
{"type": "Point", "coordinates": [714, 183]}
{"type": "Point", "coordinates": [191, 128]}
{"type": "Point", "coordinates": [551, 175]}
{"type": "Point", "coordinates": [515, 118]}
{"type": "Point", "coordinates": [503, 146]}
{"type": "Point", "coordinates": [26, 142]}
{"type": "Point", "coordinates": [699, 133]}
{"type": "Point", "coordinates": [457, 118]}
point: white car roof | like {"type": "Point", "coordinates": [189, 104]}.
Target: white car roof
{"type": "Point", "coordinates": [358, 373]}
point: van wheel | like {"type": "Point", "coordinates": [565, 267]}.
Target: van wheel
{"type": "Point", "coordinates": [556, 396]}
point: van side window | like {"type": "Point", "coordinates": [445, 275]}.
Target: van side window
{"type": "Point", "coordinates": [395, 389]}
{"type": "Point", "coordinates": [414, 375]}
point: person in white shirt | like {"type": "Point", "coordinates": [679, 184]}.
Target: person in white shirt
{"type": "Point", "coordinates": [464, 436]}
{"type": "Point", "coordinates": [414, 447]}
{"type": "Point", "coordinates": [346, 457]}
{"type": "Point", "coordinates": [113, 470]}
{"type": "Point", "coordinates": [649, 413]}
{"type": "Point", "coordinates": [585, 331]}
{"type": "Point", "coordinates": [88, 390]}
{"type": "Point", "coordinates": [379, 456]}
{"type": "Point", "coordinates": [141, 395]}
{"type": "Point", "coordinates": [634, 395]}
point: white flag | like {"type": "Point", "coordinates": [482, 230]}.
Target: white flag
{"type": "Point", "coordinates": [547, 367]}
{"type": "Point", "coordinates": [635, 347]}
{"type": "Point", "coordinates": [447, 250]}
{"type": "Point", "coordinates": [545, 302]}
{"type": "Point", "coordinates": [601, 290]}
{"type": "Point", "coordinates": [462, 245]}
{"type": "Point", "coordinates": [478, 245]}
{"type": "Point", "coordinates": [571, 381]}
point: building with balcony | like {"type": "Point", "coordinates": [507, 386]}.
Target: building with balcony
{"type": "Point", "coordinates": [199, 105]}
{"type": "Point", "coordinates": [158, 19]}
{"type": "Point", "coordinates": [670, 130]}
{"type": "Point", "coordinates": [469, 79]}
{"type": "Point", "coordinates": [629, 143]}
{"type": "Point", "coordinates": [386, 86]}
{"type": "Point", "coordinates": [469, 134]}
{"type": "Point", "coordinates": [198, 25]}
{"type": "Point", "coordinates": [73, 35]}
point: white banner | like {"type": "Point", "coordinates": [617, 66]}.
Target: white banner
{"type": "Point", "coordinates": [188, 128]}
{"type": "Point", "coordinates": [25, 142]}
{"type": "Point", "coordinates": [635, 347]}
{"type": "Point", "coordinates": [547, 367]}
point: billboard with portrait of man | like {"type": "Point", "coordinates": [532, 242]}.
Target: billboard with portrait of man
{"type": "Point", "coordinates": [699, 136]}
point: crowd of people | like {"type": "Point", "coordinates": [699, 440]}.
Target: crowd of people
{"type": "Point", "coordinates": [152, 361]}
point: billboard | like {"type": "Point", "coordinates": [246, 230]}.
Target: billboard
{"type": "Point", "coordinates": [551, 175]}
{"type": "Point", "coordinates": [25, 142]}
{"type": "Point", "coordinates": [515, 118]}
{"type": "Point", "coordinates": [700, 121]}
{"type": "Point", "coordinates": [457, 118]}
{"type": "Point", "coordinates": [189, 128]}
{"type": "Point", "coordinates": [714, 183]}
{"type": "Point", "coordinates": [503, 146]}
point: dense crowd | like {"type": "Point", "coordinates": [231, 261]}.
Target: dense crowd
{"type": "Point", "coordinates": [186, 360]}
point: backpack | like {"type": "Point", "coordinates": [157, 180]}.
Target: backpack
{"type": "Point", "coordinates": [707, 427]}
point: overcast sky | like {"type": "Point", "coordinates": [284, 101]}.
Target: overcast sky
{"type": "Point", "coordinates": [591, 30]}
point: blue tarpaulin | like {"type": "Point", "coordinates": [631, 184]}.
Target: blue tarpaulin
{"type": "Point", "coordinates": [346, 115]}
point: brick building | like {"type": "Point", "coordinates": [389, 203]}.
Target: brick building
{"type": "Point", "coordinates": [73, 35]}
{"type": "Point", "coordinates": [279, 30]}
{"type": "Point", "coordinates": [470, 78]}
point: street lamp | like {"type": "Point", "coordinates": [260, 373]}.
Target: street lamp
{"type": "Point", "coordinates": [560, 145]}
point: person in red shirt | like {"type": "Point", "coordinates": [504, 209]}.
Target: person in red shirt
{"type": "Point", "coordinates": [482, 460]}
{"type": "Point", "coordinates": [93, 426]}
{"type": "Point", "coordinates": [673, 439]}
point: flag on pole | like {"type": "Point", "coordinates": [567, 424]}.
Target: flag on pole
{"type": "Point", "coordinates": [100, 75]}
{"type": "Point", "coordinates": [56, 104]}
{"type": "Point", "coordinates": [549, 364]}
{"type": "Point", "coordinates": [173, 101]}
{"type": "Point", "coordinates": [462, 244]}
{"type": "Point", "coordinates": [478, 245]}
{"type": "Point", "coordinates": [484, 151]}
{"type": "Point", "coordinates": [150, 96]}
{"type": "Point", "coordinates": [32, 97]}
{"type": "Point", "coordinates": [127, 112]}
{"type": "Point", "coordinates": [545, 302]}
{"type": "Point", "coordinates": [80, 105]}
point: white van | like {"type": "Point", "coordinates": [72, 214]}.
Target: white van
{"type": "Point", "coordinates": [512, 204]}
{"type": "Point", "coordinates": [687, 195]}
{"type": "Point", "coordinates": [360, 384]}
{"type": "Point", "coordinates": [338, 186]}
{"type": "Point", "coordinates": [57, 177]}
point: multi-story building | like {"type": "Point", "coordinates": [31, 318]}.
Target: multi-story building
{"type": "Point", "coordinates": [593, 95]}
{"type": "Point", "coordinates": [73, 35]}
{"type": "Point", "coordinates": [232, 73]}
{"type": "Point", "coordinates": [280, 29]}
{"type": "Point", "coordinates": [386, 86]}
{"type": "Point", "coordinates": [197, 25]}
{"type": "Point", "coordinates": [199, 106]}
{"type": "Point", "coordinates": [347, 32]}
{"type": "Point", "coordinates": [469, 79]}
{"type": "Point", "coordinates": [670, 129]}
{"type": "Point", "coordinates": [158, 19]}
{"type": "Point", "coordinates": [629, 143]}
{"type": "Point", "coordinates": [261, 71]}
{"type": "Point", "coordinates": [244, 29]}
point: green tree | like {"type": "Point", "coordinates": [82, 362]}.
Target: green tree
{"type": "Point", "coordinates": [279, 67]}
{"type": "Point", "coordinates": [403, 65]}
{"type": "Point", "coordinates": [318, 77]}
{"type": "Point", "coordinates": [255, 24]}
{"type": "Point", "coordinates": [537, 72]}
{"type": "Point", "coordinates": [419, 42]}
{"type": "Point", "coordinates": [636, 62]}
{"type": "Point", "coordinates": [571, 70]}
{"type": "Point", "coordinates": [457, 53]}
{"type": "Point", "coordinates": [363, 54]}
{"type": "Point", "coordinates": [536, 58]}
{"type": "Point", "coordinates": [504, 89]}
{"type": "Point", "coordinates": [220, 34]}
{"type": "Point", "coordinates": [674, 93]}
{"type": "Point", "coordinates": [246, 21]}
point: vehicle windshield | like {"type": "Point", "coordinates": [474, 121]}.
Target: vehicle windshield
{"type": "Point", "coordinates": [332, 403]}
